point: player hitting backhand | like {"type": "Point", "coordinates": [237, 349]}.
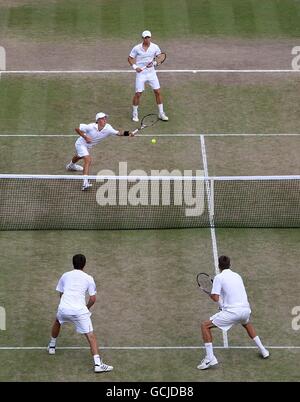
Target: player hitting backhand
{"type": "Point", "coordinates": [90, 135]}
{"type": "Point", "coordinates": [228, 289]}
{"type": "Point", "coordinates": [141, 59]}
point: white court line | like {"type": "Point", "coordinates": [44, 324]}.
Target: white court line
{"type": "Point", "coordinates": [141, 347]}
{"type": "Point", "coordinates": [168, 135]}
{"type": "Point", "coordinates": [212, 228]}
{"type": "Point", "coordinates": [177, 71]}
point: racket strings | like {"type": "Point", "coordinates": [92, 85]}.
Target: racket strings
{"type": "Point", "coordinates": [149, 120]}
{"type": "Point", "coordinates": [160, 58]}
{"type": "Point", "coordinates": [204, 282]}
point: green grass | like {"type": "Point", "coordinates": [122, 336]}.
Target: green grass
{"type": "Point", "coordinates": [151, 365]}
{"type": "Point", "coordinates": [144, 366]}
{"type": "Point", "coordinates": [227, 156]}
{"type": "Point", "coordinates": [44, 21]}
{"type": "Point", "coordinates": [147, 297]}
{"type": "Point", "coordinates": [253, 156]}
{"type": "Point", "coordinates": [49, 155]}
{"type": "Point", "coordinates": [195, 104]}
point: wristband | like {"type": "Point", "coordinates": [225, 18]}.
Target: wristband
{"type": "Point", "coordinates": [126, 133]}
{"type": "Point", "coordinates": [134, 66]}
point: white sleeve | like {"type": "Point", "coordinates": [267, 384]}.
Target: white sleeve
{"type": "Point", "coordinates": [112, 131]}
{"type": "Point", "coordinates": [83, 127]}
{"type": "Point", "coordinates": [92, 287]}
{"type": "Point", "coordinates": [217, 286]}
{"type": "Point", "coordinates": [60, 285]}
{"type": "Point", "coordinates": [133, 53]}
{"type": "Point", "coordinates": [157, 51]}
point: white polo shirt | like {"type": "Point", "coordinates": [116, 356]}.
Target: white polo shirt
{"type": "Point", "coordinates": [229, 285]}
{"type": "Point", "coordinates": [92, 131]}
{"type": "Point", "coordinates": [143, 57]}
{"type": "Point", "coordinates": [74, 285]}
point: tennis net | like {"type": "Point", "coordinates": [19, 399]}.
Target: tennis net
{"type": "Point", "coordinates": [36, 202]}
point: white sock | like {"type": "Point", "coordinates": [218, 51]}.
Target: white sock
{"type": "Point", "coordinates": [52, 342]}
{"type": "Point", "coordinates": [258, 343]}
{"type": "Point", "coordinates": [160, 108]}
{"type": "Point", "coordinates": [209, 350]}
{"type": "Point", "coordinates": [97, 360]}
{"type": "Point", "coordinates": [135, 109]}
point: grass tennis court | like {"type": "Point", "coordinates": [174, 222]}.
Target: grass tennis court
{"type": "Point", "coordinates": [149, 297]}
{"type": "Point", "coordinates": [149, 308]}
{"type": "Point", "coordinates": [113, 19]}
{"type": "Point", "coordinates": [210, 103]}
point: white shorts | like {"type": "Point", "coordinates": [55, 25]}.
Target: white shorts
{"type": "Point", "coordinates": [82, 322]}
{"type": "Point", "coordinates": [146, 77]}
{"type": "Point", "coordinates": [225, 319]}
{"type": "Point", "coordinates": [81, 149]}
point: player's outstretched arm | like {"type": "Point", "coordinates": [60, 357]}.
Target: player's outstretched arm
{"type": "Point", "coordinates": [125, 133]}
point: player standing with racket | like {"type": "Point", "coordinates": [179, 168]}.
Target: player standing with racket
{"type": "Point", "coordinates": [90, 135]}
{"type": "Point", "coordinates": [142, 59]}
{"type": "Point", "coordinates": [228, 286]}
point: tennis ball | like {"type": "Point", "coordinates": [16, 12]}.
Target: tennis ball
{"type": "Point", "coordinates": [153, 140]}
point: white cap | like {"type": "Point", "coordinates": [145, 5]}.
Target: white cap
{"type": "Point", "coordinates": [100, 115]}
{"type": "Point", "coordinates": [146, 33]}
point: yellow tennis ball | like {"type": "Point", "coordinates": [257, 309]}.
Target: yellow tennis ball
{"type": "Point", "coordinates": [153, 140]}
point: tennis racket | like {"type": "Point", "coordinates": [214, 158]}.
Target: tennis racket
{"type": "Point", "coordinates": [147, 121]}
{"type": "Point", "coordinates": [205, 282]}
{"type": "Point", "coordinates": [157, 61]}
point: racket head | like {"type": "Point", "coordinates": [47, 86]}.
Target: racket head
{"type": "Point", "coordinates": [205, 282]}
{"type": "Point", "coordinates": [149, 120]}
{"type": "Point", "coordinates": [160, 58]}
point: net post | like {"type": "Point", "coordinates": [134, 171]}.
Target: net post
{"type": "Point", "coordinates": [212, 203]}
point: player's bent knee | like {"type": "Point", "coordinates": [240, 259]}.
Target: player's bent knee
{"type": "Point", "coordinates": [87, 159]}
{"type": "Point", "coordinates": [206, 324]}
{"type": "Point", "coordinates": [203, 324]}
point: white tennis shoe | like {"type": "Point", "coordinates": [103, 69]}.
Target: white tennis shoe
{"type": "Point", "coordinates": [102, 368]}
{"type": "Point", "coordinates": [135, 117]}
{"type": "Point", "coordinates": [206, 363]}
{"type": "Point", "coordinates": [265, 353]}
{"type": "Point", "coordinates": [86, 186]}
{"type": "Point", "coordinates": [163, 116]}
{"type": "Point", "coordinates": [51, 350]}
{"type": "Point", "coordinates": [74, 167]}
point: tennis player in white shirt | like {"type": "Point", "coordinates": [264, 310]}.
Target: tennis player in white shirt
{"type": "Point", "coordinates": [90, 135]}
{"type": "Point", "coordinates": [73, 287]}
{"type": "Point", "coordinates": [229, 291]}
{"type": "Point", "coordinates": [141, 58]}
